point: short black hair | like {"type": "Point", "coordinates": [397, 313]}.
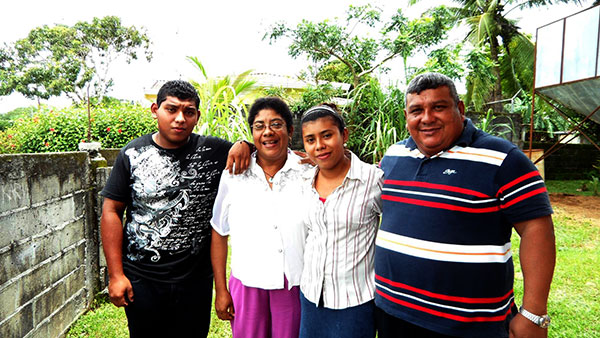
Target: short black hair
{"type": "Point", "coordinates": [180, 89]}
{"type": "Point", "coordinates": [324, 110]}
{"type": "Point", "coordinates": [431, 81]}
{"type": "Point", "coordinates": [275, 103]}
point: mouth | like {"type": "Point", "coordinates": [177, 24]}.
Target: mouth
{"type": "Point", "coordinates": [323, 156]}
{"type": "Point", "coordinates": [429, 131]}
{"type": "Point", "coordinates": [178, 129]}
{"type": "Point", "coordinates": [270, 143]}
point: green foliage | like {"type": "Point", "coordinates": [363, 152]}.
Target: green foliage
{"type": "Point", "coordinates": [312, 96]}
{"type": "Point", "coordinates": [222, 112]}
{"type": "Point", "coordinates": [510, 53]}
{"type": "Point", "coordinates": [114, 125]}
{"type": "Point", "coordinates": [53, 60]}
{"type": "Point", "coordinates": [352, 43]}
{"type": "Point", "coordinates": [480, 79]}
{"type": "Point", "coordinates": [445, 60]}
{"type": "Point", "coordinates": [376, 121]}
{"type": "Point", "coordinates": [8, 119]}
{"type": "Point", "coordinates": [335, 71]}
{"type": "Point", "coordinates": [488, 124]}
{"type": "Point", "coordinates": [545, 118]}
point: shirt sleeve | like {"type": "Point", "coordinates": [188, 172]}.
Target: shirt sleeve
{"type": "Point", "coordinates": [220, 219]}
{"type": "Point", "coordinates": [118, 185]}
{"type": "Point", "coordinates": [376, 191]}
{"type": "Point", "coordinates": [522, 191]}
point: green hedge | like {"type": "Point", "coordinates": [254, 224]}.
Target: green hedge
{"type": "Point", "coordinates": [51, 130]}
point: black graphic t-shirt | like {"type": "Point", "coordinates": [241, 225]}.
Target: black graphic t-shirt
{"type": "Point", "coordinates": [169, 195]}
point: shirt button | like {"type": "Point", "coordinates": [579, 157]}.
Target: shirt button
{"type": "Point", "coordinates": [275, 226]}
{"type": "Point", "coordinates": [280, 250]}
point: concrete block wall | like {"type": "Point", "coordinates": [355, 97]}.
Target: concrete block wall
{"type": "Point", "coordinates": [48, 242]}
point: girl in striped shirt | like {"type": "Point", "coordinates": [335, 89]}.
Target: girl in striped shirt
{"type": "Point", "coordinates": [337, 285]}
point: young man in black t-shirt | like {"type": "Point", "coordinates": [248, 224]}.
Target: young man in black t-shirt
{"type": "Point", "coordinates": [159, 262]}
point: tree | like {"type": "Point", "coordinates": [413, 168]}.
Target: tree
{"type": "Point", "coordinates": [75, 60]}
{"type": "Point", "coordinates": [328, 41]}
{"type": "Point", "coordinates": [222, 111]}
{"type": "Point", "coordinates": [510, 51]}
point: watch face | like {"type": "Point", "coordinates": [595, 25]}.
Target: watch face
{"type": "Point", "coordinates": [545, 322]}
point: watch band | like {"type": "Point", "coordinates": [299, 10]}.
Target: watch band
{"type": "Point", "coordinates": [542, 321]}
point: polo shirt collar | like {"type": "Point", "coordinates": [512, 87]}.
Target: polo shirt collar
{"type": "Point", "coordinates": [465, 138]}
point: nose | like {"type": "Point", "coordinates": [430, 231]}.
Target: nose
{"type": "Point", "coordinates": [319, 143]}
{"type": "Point", "coordinates": [267, 130]}
{"type": "Point", "coordinates": [180, 117]}
{"type": "Point", "coordinates": [427, 116]}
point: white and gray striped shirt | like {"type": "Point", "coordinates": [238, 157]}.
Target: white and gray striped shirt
{"type": "Point", "coordinates": [340, 244]}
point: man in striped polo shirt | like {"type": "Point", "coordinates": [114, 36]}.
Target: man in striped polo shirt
{"type": "Point", "coordinates": [451, 196]}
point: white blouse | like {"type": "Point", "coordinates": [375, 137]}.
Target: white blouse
{"type": "Point", "coordinates": [265, 226]}
{"type": "Point", "coordinates": [340, 247]}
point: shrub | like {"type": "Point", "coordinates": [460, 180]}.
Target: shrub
{"type": "Point", "coordinates": [376, 121]}
{"type": "Point", "coordinates": [113, 124]}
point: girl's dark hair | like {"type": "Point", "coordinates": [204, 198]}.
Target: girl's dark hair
{"type": "Point", "coordinates": [275, 103]}
{"type": "Point", "coordinates": [324, 110]}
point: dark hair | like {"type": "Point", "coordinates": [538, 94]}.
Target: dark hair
{"type": "Point", "coordinates": [431, 81]}
{"type": "Point", "coordinates": [324, 110]}
{"type": "Point", "coordinates": [180, 89]}
{"type": "Point", "coordinates": [275, 103]}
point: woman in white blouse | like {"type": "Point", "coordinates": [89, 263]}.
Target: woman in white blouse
{"type": "Point", "coordinates": [257, 210]}
{"type": "Point", "coordinates": [338, 280]}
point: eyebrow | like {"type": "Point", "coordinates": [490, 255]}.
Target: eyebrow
{"type": "Point", "coordinates": [277, 119]}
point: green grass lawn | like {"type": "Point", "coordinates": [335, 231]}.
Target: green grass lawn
{"type": "Point", "coordinates": [107, 321]}
{"type": "Point", "coordinates": [574, 303]}
{"type": "Point", "coordinates": [575, 187]}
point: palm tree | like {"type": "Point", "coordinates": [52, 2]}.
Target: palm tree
{"type": "Point", "coordinates": [511, 51]}
{"type": "Point", "coordinates": [222, 106]}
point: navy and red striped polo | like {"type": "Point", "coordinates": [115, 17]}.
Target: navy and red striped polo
{"type": "Point", "coordinates": [443, 258]}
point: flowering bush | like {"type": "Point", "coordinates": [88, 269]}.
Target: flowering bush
{"type": "Point", "coordinates": [113, 124]}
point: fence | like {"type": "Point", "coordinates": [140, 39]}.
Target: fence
{"type": "Point", "coordinates": [49, 243]}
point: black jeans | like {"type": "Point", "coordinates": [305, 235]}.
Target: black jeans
{"type": "Point", "coordinates": [389, 326]}
{"type": "Point", "coordinates": [169, 309]}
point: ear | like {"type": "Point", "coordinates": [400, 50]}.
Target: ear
{"type": "Point", "coordinates": [154, 110]}
{"type": "Point", "coordinates": [345, 135]}
{"type": "Point", "coordinates": [291, 131]}
{"type": "Point", "coordinates": [461, 109]}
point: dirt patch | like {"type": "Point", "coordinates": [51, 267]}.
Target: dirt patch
{"type": "Point", "coordinates": [577, 206]}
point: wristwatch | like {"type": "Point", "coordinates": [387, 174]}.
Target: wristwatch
{"type": "Point", "coordinates": [541, 321]}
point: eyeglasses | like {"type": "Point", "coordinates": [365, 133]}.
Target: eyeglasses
{"type": "Point", "coordinates": [274, 126]}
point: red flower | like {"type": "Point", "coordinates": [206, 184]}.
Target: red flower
{"type": "Point", "coordinates": [51, 129]}
{"type": "Point", "coordinates": [82, 141]}
{"type": "Point", "coordinates": [119, 131]}
{"type": "Point", "coordinates": [10, 136]}
{"type": "Point", "coordinates": [108, 129]}
{"type": "Point", "coordinates": [47, 144]}
{"type": "Point", "coordinates": [12, 145]}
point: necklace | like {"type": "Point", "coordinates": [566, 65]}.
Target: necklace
{"type": "Point", "coordinates": [269, 176]}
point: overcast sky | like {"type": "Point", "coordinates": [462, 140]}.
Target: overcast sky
{"type": "Point", "coordinates": [225, 35]}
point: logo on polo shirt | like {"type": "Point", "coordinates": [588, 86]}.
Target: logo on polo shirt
{"type": "Point", "coordinates": [449, 172]}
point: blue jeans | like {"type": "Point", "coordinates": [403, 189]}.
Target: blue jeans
{"type": "Point", "coordinates": [320, 322]}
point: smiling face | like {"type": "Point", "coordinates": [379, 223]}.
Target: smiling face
{"type": "Point", "coordinates": [433, 119]}
{"type": "Point", "coordinates": [324, 143]}
{"type": "Point", "coordinates": [271, 145]}
{"type": "Point", "coordinates": [176, 121]}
